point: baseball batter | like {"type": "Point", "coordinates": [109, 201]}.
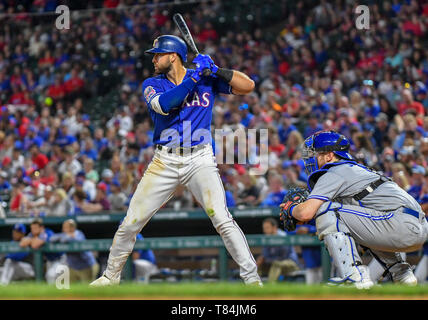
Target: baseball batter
{"type": "Point", "coordinates": [180, 102]}
{"type": "Point", "coordinates": [353, 204]}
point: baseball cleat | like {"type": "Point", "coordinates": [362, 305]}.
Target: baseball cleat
{"type": "Point", "coordinates": [255, 284]}
{"type": "Point", "coordinates": [103, 281]}
{"type": "Point", "coordinates": [362, 284]}
{"type": "Point", "coordinates": [359, 279]}
{"type": "Point", "coordinates": [406, 278]}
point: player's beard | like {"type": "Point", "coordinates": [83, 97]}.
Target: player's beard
{"type": "Point", "coordinates": [163, 70]}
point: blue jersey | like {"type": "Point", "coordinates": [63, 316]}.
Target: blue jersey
{"type": "Point", "coordinates": [184, 125]}
{"type": "Point", "coordinates": [17, 256]}
{"type": "Point", "coordinates": [146, 254]}
{"type": "Point", "coordinates": [45, 236]}
{"type": "Point", "coordinates": [75, 260]}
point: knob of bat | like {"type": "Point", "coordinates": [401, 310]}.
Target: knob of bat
{"type": "Point", "coordinates": [206, 72]}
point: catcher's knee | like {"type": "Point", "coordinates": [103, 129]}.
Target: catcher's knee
{"type": "Point", "coordinates": [327, 221]}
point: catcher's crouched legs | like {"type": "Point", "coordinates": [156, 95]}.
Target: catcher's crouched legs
{"type": "Point", "coordinates": [342, 248]}
{"type": "Point", "coordinates": [394, 264]}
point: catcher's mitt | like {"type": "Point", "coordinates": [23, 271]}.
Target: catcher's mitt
{"type": "Point", "coordinates": [292, 198]}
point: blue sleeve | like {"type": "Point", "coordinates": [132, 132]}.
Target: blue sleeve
{"type": "Point", "coordinates": [45, 235]}
{"type": "Point", "coordinates": [56, 237]}
{"type": "Point", "coordinates": [17, 256]}
{"type": "Point", "coordinates": [230, 201]}
{"type": "Point", "coordinates": [268, 201]}
{"type": "Point", "coordinates": [174, 97]}
{"type": "Point", "coordinates": [79, 236]}
{"type": "Point", "coordinates": [170, 99]}
{"type": "Point", "coordinates": [311, 228]}
{"type": "Point", "coordinates": [148, 255]}
{"type": "Point", "coordinates": [150, 89]}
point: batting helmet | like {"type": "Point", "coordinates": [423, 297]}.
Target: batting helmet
{"type": "Point", "coordinates": [169, 43]}
{"type": "Point", "coordinates": [324, 141]}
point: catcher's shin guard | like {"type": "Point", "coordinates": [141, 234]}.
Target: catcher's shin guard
{"type": "Point", "coordinates": [343, 251]}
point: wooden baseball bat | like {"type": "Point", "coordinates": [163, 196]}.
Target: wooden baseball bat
{"type": "Point", "coordinates": [185, 32]}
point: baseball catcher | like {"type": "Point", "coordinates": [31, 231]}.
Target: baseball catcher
{"type": "Point", "coordinates": [354, 204]}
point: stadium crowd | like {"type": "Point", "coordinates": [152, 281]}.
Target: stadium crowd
{"type": "Point", "coordinates": [313, 70]}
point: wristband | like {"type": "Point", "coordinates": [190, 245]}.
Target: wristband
{"type": "Point", "coordinates": [291, 210]}
{"type": "Point", "coordinates": [225, 74]}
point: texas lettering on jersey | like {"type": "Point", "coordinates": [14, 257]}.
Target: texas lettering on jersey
{"type": "Point", "coordinates": [195, 109]}
{"type": "Point", "coordinates": [203, 101]}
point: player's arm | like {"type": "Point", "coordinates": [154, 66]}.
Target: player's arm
{"type": "Point", "coordinates": [327, 187]}
{"type": "Point", "coordinates": [25, 242]}
{"type": "Point", "coordinates": [36, 243]}
{"type": "Point", "coordinates": [163, 102]}
{"type": "Point", "coordinates": [306, 211]}
{"type": "Point", "coordinates": [241, 84]}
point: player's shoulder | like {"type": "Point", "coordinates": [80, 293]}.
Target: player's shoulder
{"type": "Point", "coordinates": [150, 86]}
{"type": "Point", "coordinates": [153, 80]}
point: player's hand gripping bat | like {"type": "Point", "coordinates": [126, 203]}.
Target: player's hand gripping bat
{"type": "Point", "coordinates": [184, 30]}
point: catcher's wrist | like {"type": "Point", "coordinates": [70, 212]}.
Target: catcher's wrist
{"type": "Point", "coordinates": [290, 211]}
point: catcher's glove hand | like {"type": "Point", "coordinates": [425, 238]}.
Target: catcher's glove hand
{"type": "Point", "coordinates": [291, 199]}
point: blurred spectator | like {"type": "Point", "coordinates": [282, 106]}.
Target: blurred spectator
{"type": "Point", "coordinates": [280, 260]}
{"type": "Point", "coordinates": [291, 176]}
{"type": "Point", "coordinates": [18, 201]}
{"type": "Point", "coordinates": [321, 108]}
{"type": "Point", "coordinates": [82, 265]}
{"type": "Point", "coordinates": [90, 172]}
{"type": "Point", "coordinates": [275, 145]}
{"type": "Point", "coordinates": [250, 194]}
{"type": "Point", "coordinates": [87, 185]}
{"type": "Point", "coordinates": [144, 263]}
{"type": "Point", "coordinates": [311, 255]}
{"type": "Point", "coordinates": [117, 198]}
{"type": "Point", "coordinates": [276, 192]}
{"type": "Point", "coordinates": [417, 182]}
{"type": "Point", "coordinates": [58, 205]}
{"type": "Point", "coordinates": [408, 104]}
{"type": "Point", "coordinates": [317, 72]}
{"type": "Point", "coordinates": [37, 237]}
{"type": "Point", "coordinates": [313, 126]}
{"type": "Point", "coordinates": [70, 163]}
{"type": "Point", "coordinates": [17, 266]}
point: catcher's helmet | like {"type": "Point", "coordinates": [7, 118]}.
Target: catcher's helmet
{"type": "Point", "coordinates": [169, 43]}
{"type": "Point", "coordinates": [324, 141]}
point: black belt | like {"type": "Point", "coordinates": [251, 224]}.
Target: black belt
{"type": "Point", "coordinates": [179, 150]}
{"type": "Point", "coordinates": [372, 186]}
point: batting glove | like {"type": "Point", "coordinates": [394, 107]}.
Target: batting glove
{"type": "Point", "coordinates": [202, 62]}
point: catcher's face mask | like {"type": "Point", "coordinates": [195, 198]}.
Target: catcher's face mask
{"type": "Point", "coordinates": [323, 141]}
{"type": "Point", "coordinates": [309, 156]}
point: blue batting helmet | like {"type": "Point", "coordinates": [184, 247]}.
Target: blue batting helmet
{"type": "Point", "coordinates": [324, 141]}
{"type": "Point", "coordinates": [169, 43]}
